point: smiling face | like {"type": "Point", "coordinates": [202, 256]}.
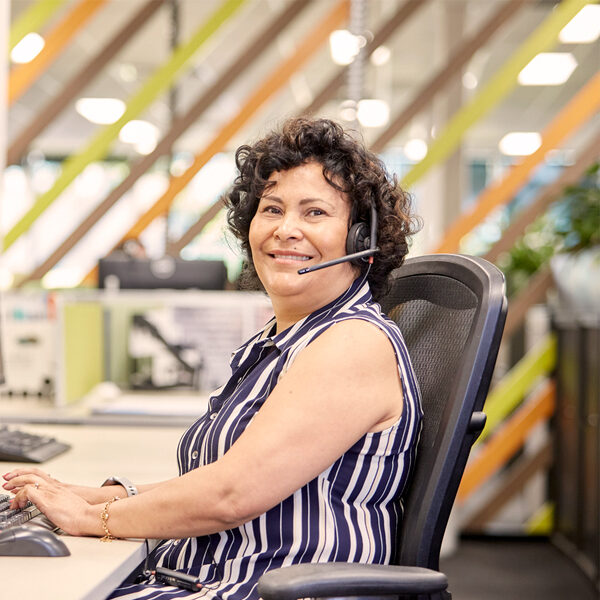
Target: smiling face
{"type": "Point", "coordinates": [300, 221]}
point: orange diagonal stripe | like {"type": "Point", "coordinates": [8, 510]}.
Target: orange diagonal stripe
{"type": "Point", "coordinates": [581, 108]}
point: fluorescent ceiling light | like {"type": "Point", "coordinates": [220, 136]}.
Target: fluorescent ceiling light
{"type": "Point", "coordinates": [548, 68]}
{"type": "Point", "coordinates": [469, 80]}
{"type": "Point", "coordinates": [344, 46]}
{"type": "Point", "coordinates": [102, 111]}
{"type": "Point", "coordinates": [28, 48]}
{"type": "Point", "coordinates": [415, 149]}
{"type": "Point", "coordinates": [583, 28]}
{"type": "Point", "coordinates": [381, 56]}
{"type": "Point", "coordinates": [520, 143]}
{"type": "Point", "coordinates": [142, 134]}
{"type": "Point", "coordinates": [373, 113]}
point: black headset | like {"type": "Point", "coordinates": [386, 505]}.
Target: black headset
{"type": "Point", "coordinates": [361, 245]}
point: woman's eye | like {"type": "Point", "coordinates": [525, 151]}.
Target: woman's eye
{"type": "Point", "coordinates": [316, 212]}
{"type": "Point", "coordinates": [273, 210]}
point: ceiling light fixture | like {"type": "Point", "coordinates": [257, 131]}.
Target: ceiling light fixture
{"type": "Point", "coordinates": [373, 113]}
{"type": "Point", "coordinates": [344, 46]}
{"type": "Point", "coordinates": [415, 149]}
{"type": "Point", "coordinates": [142, 134]}
{"type": "Point", "coordinates": [381, 56]}
{"type": "Point", "coordinates": [469, 80]}
{"type": "Point", "coordinates": [347, 110]}
{"type": "Point", "coordinates": [28, 48]}
{"type": "Point", "coordinates": [548, 68]}
{"type": "Point", "coordinates": [520, 143]}
{"type": "Point", "coordinates": [583, 28]}
{"type": "Point", "coordinates": [102, 111]}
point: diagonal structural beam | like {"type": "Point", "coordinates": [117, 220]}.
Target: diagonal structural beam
{"type": "Point", "coordinates": [509, 392]}
{"type": "Point", "coordinates": [458, 59]}
{"type": "Point", "coordinates": [500, 85]}
{"type": "Point", "coordinates": [32, 19]}
{"type": "Point", "coordinates": [22, 76]}
{"type": "Point", "coordinates": [100, 143]}
{"type": "Point", "coordinates": [578, 111]}
{"type": "Point", "coordinates": [509, 438]}
{"type": "Point", "coordinates": [534, 293]}
{"type": "Point", "coordinates": [86, 74]}
{"type": "Point", "coordinates": [266, 90]}
{"type": "Point", "coordinates": [329, 90]}
{"type": "Point", "coordinates": [513, 482]}
{"type": "Point", "coordinates": [544, 198]}
{"type": "Point", "coordinates": [181, 124]}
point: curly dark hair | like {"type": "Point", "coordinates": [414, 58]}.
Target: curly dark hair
{"type": "Point", "coordinates": [347, 166]}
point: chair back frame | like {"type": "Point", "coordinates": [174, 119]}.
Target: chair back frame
{"type": "Point", "coordinates": [434, 483]}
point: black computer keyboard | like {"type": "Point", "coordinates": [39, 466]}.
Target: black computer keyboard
{"type": "Point", "coordinates": [19, 446]}
{"type": "Point", "coordinates": [11, 517]}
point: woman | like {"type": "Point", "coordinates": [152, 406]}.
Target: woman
{"type": "Point", "coordinates": [304, 452]}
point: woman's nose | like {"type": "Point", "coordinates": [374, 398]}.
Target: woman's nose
{"type": "Point", "coordinates": [288, 228]}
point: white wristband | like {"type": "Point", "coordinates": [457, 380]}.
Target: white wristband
{"type": "Point", "coordinates": [129, 487]}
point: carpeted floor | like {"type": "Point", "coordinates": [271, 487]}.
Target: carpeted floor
{"type": "Point", "coordinates": [491, 568]}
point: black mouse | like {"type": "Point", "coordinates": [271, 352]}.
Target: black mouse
{"type": "Point", "coordinates": [31, 541]}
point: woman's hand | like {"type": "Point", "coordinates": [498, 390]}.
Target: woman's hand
{"type": "Point", "coordinates": [22, 476]}
{"type": "Point", "coordinates": [18, 478]}
{"type": "Point", "coordinates": [64, 508]}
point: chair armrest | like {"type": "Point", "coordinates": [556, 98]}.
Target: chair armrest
{"type": "Point", "coordinates": [477, 423]}
{"type": "Point", "coordinates": [348, 579]}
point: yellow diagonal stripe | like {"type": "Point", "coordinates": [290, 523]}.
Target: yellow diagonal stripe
{"type": "Point", "coordinates": [513, 387]}
{"type": "Point", "coordinates": [32, 19]}
{"type": "Point", "coordinates": [100, 143]}
{"type": "Point", "coordinates": [501, 84]}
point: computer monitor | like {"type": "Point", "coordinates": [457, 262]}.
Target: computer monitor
{"type": "Point", "coordinates": [118, 270]}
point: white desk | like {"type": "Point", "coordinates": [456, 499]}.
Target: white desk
{"type": "Point", "coordinates": [94, 569]}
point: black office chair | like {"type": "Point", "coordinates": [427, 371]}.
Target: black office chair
{"type": "Point", "coordinates": [451, 310]}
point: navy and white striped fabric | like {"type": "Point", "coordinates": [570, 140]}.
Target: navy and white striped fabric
{"type": "Point", "coordinates": [348, 513]}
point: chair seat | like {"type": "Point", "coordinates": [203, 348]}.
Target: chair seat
{"type": "Point", "coordinates": [351, 579]}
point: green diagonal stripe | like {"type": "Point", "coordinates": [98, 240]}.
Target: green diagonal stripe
{"type": "Point", "coordinates": [32, 19]}
{"type": "Point", "coordinates": [100, 143]}
{"type": "Point", "coordinates": [513, 387]}
{"type": "Point", "coordinates": [501, 84]}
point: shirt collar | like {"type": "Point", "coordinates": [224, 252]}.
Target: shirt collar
{"type": "Point", "coordinates": [358, 292]}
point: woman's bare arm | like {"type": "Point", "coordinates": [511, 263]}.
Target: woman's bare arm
{"type": "Point", "coordinates": [343, 385]}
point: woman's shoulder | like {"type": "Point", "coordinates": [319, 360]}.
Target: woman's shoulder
{"type": "Point", "coordinates": [353, 339]}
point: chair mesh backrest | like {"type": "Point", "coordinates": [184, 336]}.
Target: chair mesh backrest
{"type": "Point", "coordinates": [435, 315]}
{"type": "Point", "coordinates": [450, 310]}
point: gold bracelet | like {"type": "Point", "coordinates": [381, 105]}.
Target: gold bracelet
{"type": "Point", "coordinates": [108, 537]}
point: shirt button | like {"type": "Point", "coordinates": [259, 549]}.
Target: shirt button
{"type": "Point", "coordinates": [176, 543]}
{"type": "Point", "coordinates": [213, 416]}
{"type": "Point", "coordinates": [195, 454]}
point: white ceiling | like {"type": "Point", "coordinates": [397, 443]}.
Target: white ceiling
{"type": "Point", "coordinates": [418, 50]}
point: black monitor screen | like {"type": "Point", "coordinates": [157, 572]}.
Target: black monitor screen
{"type": "Point", "coordinates": [120, 271]}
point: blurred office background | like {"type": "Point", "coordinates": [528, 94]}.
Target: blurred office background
{"type": "Point", "coordinates": [118, 138]}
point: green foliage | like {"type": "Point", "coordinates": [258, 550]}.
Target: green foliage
{"type": "Point", "coordinates": [571, 224]}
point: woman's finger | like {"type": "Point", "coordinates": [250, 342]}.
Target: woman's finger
{"type": "Point", "coordinates": [18, 483]}
{"type": "Point", "coordinates": [20, 471]}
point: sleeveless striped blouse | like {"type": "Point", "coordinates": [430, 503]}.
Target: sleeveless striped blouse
{"type": "Point", "coordinates": [349, 513]}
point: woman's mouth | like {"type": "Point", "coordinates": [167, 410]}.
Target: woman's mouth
{"type": "Point", "coordinates": [299, 257]}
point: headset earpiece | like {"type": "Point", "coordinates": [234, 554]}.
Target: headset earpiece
{"type": "Point", "coordinates": [358, 239]}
